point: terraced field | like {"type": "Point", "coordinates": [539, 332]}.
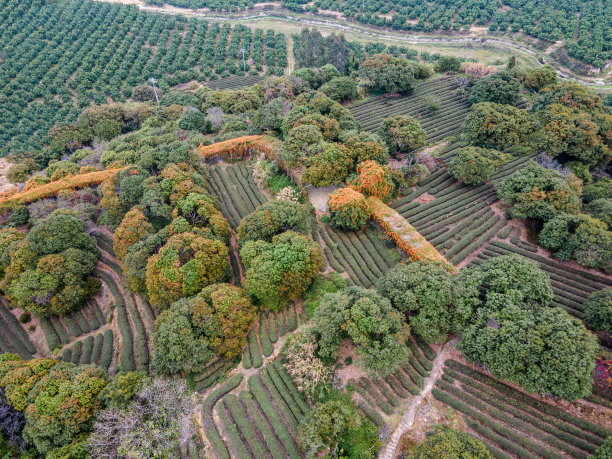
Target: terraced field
{"type": "Point", "coordinates": [13, 337]}
{"type": "Point", "coordinates": [511, 423]}
{"type": "Point", "coordinates": [385, 395]}
{"type": "Point", "coordinates": [361, 254]}
{"type": "Point", "coordinates": [259, 422]}
{"type": "Point", "coordinates": [235, 191]}
{"type": "Point", "coordinates": [234, 82]}
{"type": "Point", "coordinates": [443, 123]}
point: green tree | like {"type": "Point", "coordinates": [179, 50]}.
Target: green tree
{"type": "Point", "coordinates": [511, 331]}
{"type": "Point", "coordinates": [541, 77]}
{"type": "Point", "coordinates": [424, 291]}
{"type": "Point", "coordinates": [448, 64]}
{"type": "Point", "coordinates": [602, 210]}
{"type": "Point", "coordinates": [335, 427]}
{"type": "Point", "coordinates": [598, 310]}
{"type": "Point", "coordinates": [377, 330]}
{"type": "Point", "coordinates": [281, 270]}
{"type": "Point", "coordinates": [579, 237]}
{"type": "Point", "coordinates": [605, 450]}
{"type": "Point", "coordinates": [272, 218]}
{"type": "Point", "coordinates": [539, 193]}
{"type": "Point", "coordinates": [341, 89]}
{"type": "Point", "coordinates": [498, 126]}
{"type": "Point", "coordinates": [194, 120]}
{"type": "Point", "coordinates": [120, 391]}
{"type": "Point", "coordinates": [185, 265]}
{"type": "Point", "coordinates": [386, 73]}
{"type": "Point", "coordinates": [500, 88]}
{"type": "Point", "coordinates": [331, 165]}
{"type": "Point", "coordinates": [474, 165]}
{"type": "Point", "coordinates": [446, 442]}
{"type": "Point", "coordinates": [402, 133]}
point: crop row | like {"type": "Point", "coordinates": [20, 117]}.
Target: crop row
{"type": "Point", "coordinates": [266, 418]}
{"type": "Point", "coordinates": [513, 420]}
{"type": "Point", "coordinates": [97, 350]}
{"type": "Point", "coordinates": [236, 192]}
{"type": "Point", "coordinates": [272, 325]}
{"type": "Point", "coordinates": [385, 394]}
{"type": "Point", "coordinates": [208, 423]}
{"type": "Point", "coordinates": [212, 374]}
{"type": "Point", "coordinates": [234, 82]}
{"type": "Point", "coordinates": [13, 338]}
{"type": "Point", "coordinates": [361, 254]}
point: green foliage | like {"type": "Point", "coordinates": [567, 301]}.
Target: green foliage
{"type": "Point", "coordinates": [272, 218]}
{"type": "Point", "coordinates": [332, 164]}
{"type": "Point", "coordinates": [600, 189]}
{"type": "Point", "coordinates": [500, 88]}
{"type": "Point", "coordinates": [602, 210]}
{"type": "Point", "coordinates": [48, 269]}
{"type": "Point", "coordinates": [321, 285]}
{"type": "Point", "coordinates": [499, 126]}
{"type": "Point", "coordinates": [448, 64]}
{"type": "Point", "coordinates": [579, 237]}
{"type": "Point", "coordinates": [335, 425]}
{"type": "Point", "coordinates": [19, 216]}
{"type": "Point", "coordinates": [122, 388]}
{"type": "Point", "coordinates": [474, 165]}
{"type": "Point", "coordinates": [185, 265]}
{"type": "Point", "coordinates": [340, 89]}
{"type": "Point", "coordinates": [402, 133]}
{"type": "Point", "coordinates": [385, 73]}
{"type": "Point", "coordinates": [193, 120]}
{"type": "Point", "coordinates": [598, 310]}
{"type": "Point", "coordinates": [370, 321]}
{"type": "Point", "coordinates": [423, 290]}
{"type": "Point", "coordinates": [605, 450]}
{"type": "Point", "coordinates": [541, 77]}
{"type": "Point", "coordinates": [538, 193]}
{"type": "Point", "coordinates": [511, 331]}
{"type": "Point", "coordinates": [216, 321]}
{"type": "Point", "coordinates": [281, 270]}
{"type": "Point", "coordinates": [444, 441]}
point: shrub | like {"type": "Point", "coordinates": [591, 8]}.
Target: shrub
{"type": "Point", "coordinates": [272, 218]}
{"type": "Point", "coordinates": [402, 133]}
{"type": "Point", "coordinates": [474, 165]}
{"type": "Point", "coordinates": [25, 318]}
{"type": "Point", "coordinates": [500, 88]}
{"type": "Point", "coordinates": [444, 441]}
{"type": "Point", "coordinates": [348, 209]}
{"type": "Point", "coordinates": [598, 310]}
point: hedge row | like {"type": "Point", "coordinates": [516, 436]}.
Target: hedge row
{"type": "Point", "coordinates": [360, 253]}
{"type": "Point", "coordinates": [50, 334]}
{"type": "Point", "coordinates": [107, 349]}
{"type": "Point", "coordinates": [247, 363]}
{"type": "Point", "coordinates": [395, 384]}
{"type": "Point", "coordinates": [67, 355]}
{"type": "Point", "coordinates": [365, 277]}
{"type": "Point", "coordinates": [445, 238]}
{"type": "Point", "coordinates": [209, 426]}
{"type": "Point", "coordinates": [359, 388]}
{"type": "Point", "coordinates": [479, 242]}
{"type": "Point", "coordinates": [76, 352]}
{"type": "Point", "coordinates": [508, 445]}
{"type": "Point", "coordinates": [545, 408]}
{"type": "Point", "coordinates": [71, 326]}
{"type": "Point", "coordinates": [242, 188]}
{"type": "Point", "coordinates": [141, 333]}
{"type": "Point", "coordinates": [223, 200]}
{"type": "Point", "coordinates": [276, 421]}
{"type": "Point", "coordinates": [407, 382]}
{"type": "Point", "coordinates": [127, 343]}
{"type": "Point", "coordinates": [271, 323]}
{"type": "Point", "coordinates": [382, 387]}
{"type": "Point", "coordinates": [520, 439]}
{"type": "Point", "coordinates": [416, 372]}
{"type": "Point", "coordinates": [253, 444]}
{"type": "Point", "coordinates": [458, 197]}
{"type": "Point", "coordinates": [235, 269]}
{"type": "Point", "coordinates": [87, 350]}
{"type": "Point", "coordinates": [279, 401]}
{"type": "Point", "coordinates": [515, 423]}
{"type": "Point", "coordinates": [380, 401]}
{"type": "Point", "coordinates": [210, 377]}
{"type": "Point", "coordinates": [285, 393]}
{"type": "Point", "coordinates": [254, 350]}
{"type": "Point", "coordinates": [492, 398]}
{"type": "Point", "coordinates": [424, 346]}
{"type": "Point", "coordinates": [230, 427]}
{"type": "Point", "coordinates": [432, 228]}
{"type": "Point", "coordinates": [292, 320]}
{"type": "Point", "coordinates": [96, 352]}
{"type": "Point", "coordinates": [235, 198]}
{"type": "Point", "coordinates": [10, 332]}
{"type": "Point", "coordinates": [266, 344]}
{"type": "Point", "coordinates": [503, 234]}
{"type": "Point", "coordinates": [426, 364]}
{"type": "Point", "coordinates": [374, 415]}
{"type": "Point", "coordinates": [255, 416]}
{"type": "Point", "coordinates": [299, 398]}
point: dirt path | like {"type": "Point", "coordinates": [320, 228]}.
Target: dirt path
{"type": "Point", "coordinates": [408, 417]}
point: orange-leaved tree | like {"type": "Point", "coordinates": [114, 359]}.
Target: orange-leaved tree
{"type": "Point", "coordinates": [348, 208]}
{"type": "Point", "coordinates": [374, 180]}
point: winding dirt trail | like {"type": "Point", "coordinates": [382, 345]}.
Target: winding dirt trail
{"type": "Point", "coordinates": [409, 414]}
